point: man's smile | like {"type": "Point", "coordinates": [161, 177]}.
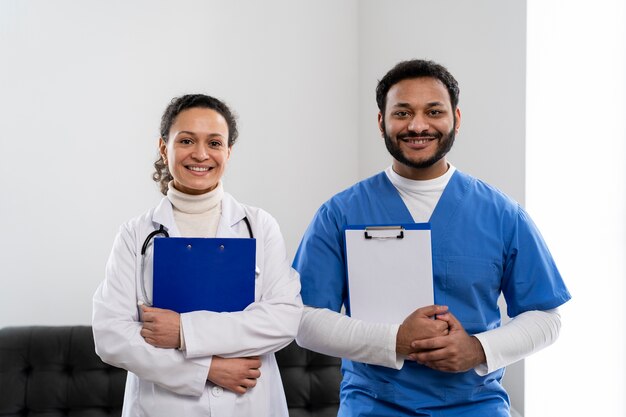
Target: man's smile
{"type": "Point", "coordinates": [417, 141]}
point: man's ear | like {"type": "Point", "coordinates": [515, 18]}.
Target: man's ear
{"type": "Point", "coordinates": [457, 125]}
{"type": "Point", "coordinates": [381, 123]}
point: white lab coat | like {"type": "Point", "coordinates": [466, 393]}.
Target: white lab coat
{"type": "Point", "coordinates": [170, 382]}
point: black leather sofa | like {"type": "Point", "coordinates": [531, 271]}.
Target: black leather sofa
{"type": "Point", "coordinates": [48, 371]}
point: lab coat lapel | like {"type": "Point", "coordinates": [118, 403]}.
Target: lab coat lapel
{"type": "Point", "coordinates": [164, 215]}
{"type": "Point", "coordinates": [230, 225]}
{"type": "Point", "coordinates": [232, 214]}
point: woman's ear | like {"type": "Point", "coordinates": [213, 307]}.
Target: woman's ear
{"type": "Point", "coordinates": [163, 150]}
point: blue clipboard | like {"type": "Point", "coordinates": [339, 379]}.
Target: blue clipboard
{"type": "Point", "coordinates": [213, 274]}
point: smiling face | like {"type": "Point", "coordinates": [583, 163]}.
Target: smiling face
{"type": "Point", "coordinates": [419, 127]}
{"type": "Point", "coordinates": [196, 150]}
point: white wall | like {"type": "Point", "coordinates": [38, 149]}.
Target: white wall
{"type": "Point", "coordinates": [84, 84]}
{"type": "Point", "coordinates": [483, 44]}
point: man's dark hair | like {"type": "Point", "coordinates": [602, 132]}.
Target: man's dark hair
{"type": "Point", "coordinates": [416, 68]}
{"type": "Point", "coordinates": [161, 173]}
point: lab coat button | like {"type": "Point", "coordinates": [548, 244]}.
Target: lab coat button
{"type": "Point", "coordinates": [217, 391]}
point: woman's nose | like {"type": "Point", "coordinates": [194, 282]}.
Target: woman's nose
{"type": "Point", "coordinates": [200, 153]}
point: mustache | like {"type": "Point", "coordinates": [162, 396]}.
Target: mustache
{"type": "Point", "coordinates": [415, 135]}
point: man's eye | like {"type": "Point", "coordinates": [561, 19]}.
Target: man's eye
{"type": "Point", "coordinates": [402, 113]}
{"type": "Point", "coordinates": [435, 112]}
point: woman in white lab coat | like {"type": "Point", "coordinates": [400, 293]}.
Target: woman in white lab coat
{"type": "Point", "coordinates": [200, 363]}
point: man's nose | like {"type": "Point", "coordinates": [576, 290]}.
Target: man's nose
{"type": "Point", "coordinates": [418, 124]}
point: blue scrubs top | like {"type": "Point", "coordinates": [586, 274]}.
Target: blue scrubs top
{"type": "Point", "coordinates": [483, 244]}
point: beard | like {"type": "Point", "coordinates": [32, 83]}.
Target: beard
{"type": "Point", "coordinates": [444, 144]}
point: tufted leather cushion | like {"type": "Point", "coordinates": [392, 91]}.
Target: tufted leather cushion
{"type": "Point", "coordinates": [311, 381]}
{"type": "Point", "coordinates": [54, 371]}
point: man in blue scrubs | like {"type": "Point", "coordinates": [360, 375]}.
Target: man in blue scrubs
{"type": "Point", "coordinates": [448, 359]}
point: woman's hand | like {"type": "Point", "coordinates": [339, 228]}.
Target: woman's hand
{"type": "Point", "coordinates": [161, 328]}
{"type": "Point", "coordinates": [235, 374]}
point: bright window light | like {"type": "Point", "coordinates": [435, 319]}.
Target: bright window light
{"type": "Point", "coordinates": [576, 186]}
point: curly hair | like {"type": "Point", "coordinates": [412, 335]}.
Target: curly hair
{"type": "Point", "coordinates": [415, 69]}
{"type": "Point", "coordinates": [161, 173]}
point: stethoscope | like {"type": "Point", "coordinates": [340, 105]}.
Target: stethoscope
{"type": "Point", "coordinates": [161, 231]}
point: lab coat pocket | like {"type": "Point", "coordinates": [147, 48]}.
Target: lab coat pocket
{"type": "Point", "coordinates": [157, 401]}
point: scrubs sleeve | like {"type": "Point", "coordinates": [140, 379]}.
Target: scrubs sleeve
{"type": "Point", "coordinates": [531, 280]}
{"type": "Point", "coordinates": [116, 325]}
{"type": "Point", "coordinates": [265, 326]}
{"type": "Point", "coordinates": [321, 263]}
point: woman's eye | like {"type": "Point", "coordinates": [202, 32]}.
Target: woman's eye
{"type": "Point", "coordinates": [186, 141]}
{"type": "Point", "coordinates": [215, 143]}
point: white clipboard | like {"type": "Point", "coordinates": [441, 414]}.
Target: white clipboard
{"type": "Point", "coordinates": [390, 272]}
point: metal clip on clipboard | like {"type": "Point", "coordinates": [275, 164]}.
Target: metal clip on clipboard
{"type": "Point", "coordinates": [400, 229]}
{"type": "Point", "coordinates": [389, 270]}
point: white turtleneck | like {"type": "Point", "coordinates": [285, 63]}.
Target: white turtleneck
{"type": "Point", "coordinates": [196, 215]}
{"type": "Point", "coordinates": [420, 197]}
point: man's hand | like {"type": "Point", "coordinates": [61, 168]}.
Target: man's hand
{"type": "Point", "coordinates": [420, 324]}
{"type": "Point", "coordinates": [235, 374]}
{"type": "Point", "coordinates": [161, 328]}
{"type": "Point", "coordinates": [456, 352]}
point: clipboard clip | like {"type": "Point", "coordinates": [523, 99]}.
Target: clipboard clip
{"type": "Point", "coordinates": [400, 230]}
